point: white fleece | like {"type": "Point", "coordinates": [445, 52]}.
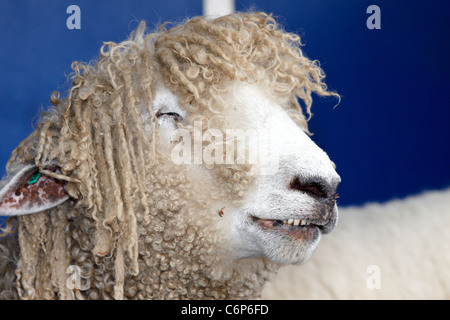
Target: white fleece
{"type": "Point", "coordinates": [396, 250]}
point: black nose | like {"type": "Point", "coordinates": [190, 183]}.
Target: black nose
{"type": "Point", "coordinates": [315, 187]}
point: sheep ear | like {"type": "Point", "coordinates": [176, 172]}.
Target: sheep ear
{"type": "Point", "coordinates": [30, 191]}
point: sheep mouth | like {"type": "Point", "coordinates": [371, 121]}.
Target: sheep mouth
{"type": "Point", "coordinates": [295, 228]}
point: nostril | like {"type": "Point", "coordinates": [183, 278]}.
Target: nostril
{"type": "Point", "coordinates": [312, 188]}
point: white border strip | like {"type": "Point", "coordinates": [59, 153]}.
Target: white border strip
{"type": "Point", "coordinates": [217, 8]}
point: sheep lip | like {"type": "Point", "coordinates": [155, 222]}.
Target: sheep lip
{"type": "Point", "coordinates": [325, 222]}
{"type": "Point", "coordinates": [301, 233]}
{"type": "Point", "coordinates": [309, 221]}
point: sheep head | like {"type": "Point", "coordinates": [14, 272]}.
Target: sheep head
{"type": "Point", "coordinates": [178, 166]}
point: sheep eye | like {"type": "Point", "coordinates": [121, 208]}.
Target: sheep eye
{"type": "Point", "coordinates": [173, 115]}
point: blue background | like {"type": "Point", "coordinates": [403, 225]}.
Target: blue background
{"type": "Point", "coordinates": [389, 136]}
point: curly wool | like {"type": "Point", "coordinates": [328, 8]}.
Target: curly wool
{"type": "Point", "coordinates": [133, 226]}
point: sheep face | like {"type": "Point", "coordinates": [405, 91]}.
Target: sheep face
{"type": "Point", "coordinates": [290, 201]}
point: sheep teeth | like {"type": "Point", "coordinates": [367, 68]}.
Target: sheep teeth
{"type": "Point", "coordinates": [296, 222]}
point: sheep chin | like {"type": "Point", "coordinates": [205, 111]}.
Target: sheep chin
{"type": "Point", "coordinates": [281, 244]}
{"type": "Point", "coordinates": [289, 244]}
{"type": "Point", "coordinates": [291, 252]}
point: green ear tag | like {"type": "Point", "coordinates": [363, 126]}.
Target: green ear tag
{"type": "Point", "coordinates": [34, 178]}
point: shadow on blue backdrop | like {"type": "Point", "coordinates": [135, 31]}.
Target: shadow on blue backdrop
{"type": "Point", "coordinates": [388, 136]}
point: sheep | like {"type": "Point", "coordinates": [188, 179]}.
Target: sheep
{"type": "Point", "coordinates": [393, 250]}
{"type": "Point", "coordinates": [95, 191]}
